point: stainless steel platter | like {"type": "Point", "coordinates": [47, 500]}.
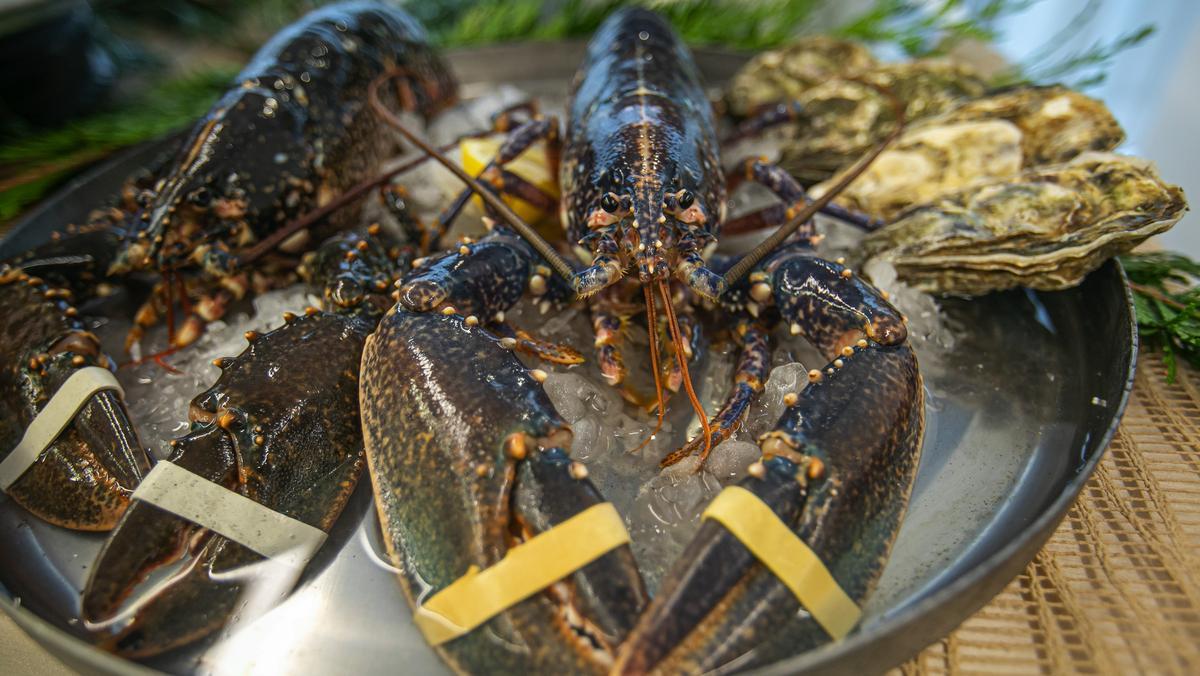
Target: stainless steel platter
{"type": "Point", "coordinates": [1022, 405]}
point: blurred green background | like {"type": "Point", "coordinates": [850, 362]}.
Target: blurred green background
{"type": "Point", "coordinates": [157, 64]}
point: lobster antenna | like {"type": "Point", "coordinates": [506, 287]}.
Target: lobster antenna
{"type": "Point", "coordinates": [274, 239]}
{"type": "Point", "coordinates": [523, 229]}
{"type": "Point", "coordinates": [745, 263]}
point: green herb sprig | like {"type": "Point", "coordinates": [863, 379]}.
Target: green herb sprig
{"type": "Point", "coordinates": [925, 29]}
{"type": "Point", "coordinates": [1167, 303]}
{"type": "Point", "coordinates": [740, 25]}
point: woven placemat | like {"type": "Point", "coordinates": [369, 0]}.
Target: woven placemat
{"type": "Point", "coordinates": [1117, 587]}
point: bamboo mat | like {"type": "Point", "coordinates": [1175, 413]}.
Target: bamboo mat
{"type": "Point", "coordinates": [1116, 590]}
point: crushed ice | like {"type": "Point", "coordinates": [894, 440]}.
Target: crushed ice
{"type": "Point", "coordinates": [157, 398]}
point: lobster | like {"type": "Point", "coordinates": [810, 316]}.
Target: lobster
{"type": "Point", "coordinates": [273, 429]}
{"type": "Point", "coordinates": [469, 459]}
{"type": "Point", "coordinates": [286, 139]}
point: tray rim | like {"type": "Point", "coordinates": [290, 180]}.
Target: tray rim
{"type": "Point", "coordinates": [990, 576]}
{"type": "Point", "coordinates": [972, 590]}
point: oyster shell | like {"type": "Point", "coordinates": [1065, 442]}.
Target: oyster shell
{"type": "Point", "coordinates": [784, 74]}
{"type": "Point", "coordinates": [984, 139]}
{"type": "Point", "coordinates": [846, 117]}
{"type": "Point", "coordinates": [1046, 228]}
{"type": "Point", "coordinates": [931, 161]}
{"type": "Point", "coordinates": [1056, 123]}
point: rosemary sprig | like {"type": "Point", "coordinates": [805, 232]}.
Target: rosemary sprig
{"type": "Point", "coordinates": [1167, 304]}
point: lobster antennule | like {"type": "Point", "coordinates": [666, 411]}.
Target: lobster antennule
{"type": "Point", "coordinates": [652, 333]}
{"type": "Point", "coordinates": [681, 356]}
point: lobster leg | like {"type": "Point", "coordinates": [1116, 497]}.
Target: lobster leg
{"type": "Point", "coordinates": [793, 196]}
{"type": "Point", "coordinates": [837, 470]}
{"type": "Point", "coordinates": [512, 116]}
{"type": "Point", "coordinates": [609, 327]}
{"type": "Point", "coordinates": [201, 302]}
{"type": "Point", "coordinates": [689, 329]}
{"type": "Point", "coordinates": [768, 118]}
{"type": "Point", "coordinates": [466, 455]}
{"type": "Point", "coordinates": [521, 341]}
{"type": "Point", "coordinates": [748, 379]}
{"type": "Point", "coordinates": [417, 235]}
{"type": "Point", "coordinates": [501, 181]}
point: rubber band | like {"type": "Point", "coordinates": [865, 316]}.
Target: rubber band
{"type": "Point", "coordinates": [480, 595]}
{"type": "Point", "coordinates": [54, 418]}
{"type": "Point", "coordinates": [750, 520]}
{"type": "Point", "coordinates": [258, 527]}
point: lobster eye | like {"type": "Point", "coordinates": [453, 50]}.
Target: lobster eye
{"type": "Point", "coordinates": [610, 203]}
{"type": "Point", "coordinates": [201, 197]}
{"type": "Point", "coordinates": [686, 199]}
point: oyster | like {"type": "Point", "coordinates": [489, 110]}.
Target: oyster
{"type": "Point", "coordinates": [1046, 228]}
{"type": "Point", "coordinates": [784, 74]}
{"type": "Point", "coordinates": [1056, 123]}
{"type": "Point", "coordinates": [845, 117]}
{"type": "Point", "coordinates": [981, 140]}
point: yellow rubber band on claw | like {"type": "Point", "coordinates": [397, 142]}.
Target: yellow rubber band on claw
{"type": "Point", "coordinates": [787, 556]}
{"type": "Point", "coordinates": [526, 569]}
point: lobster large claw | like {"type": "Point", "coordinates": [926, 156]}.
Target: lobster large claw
{"type": "Point", "coordinates": [280, 427]}
{"type": "Point", "coordinates": [84, 478]}
{"type": "Point", "coordinates": [466, 454]}
{"type": "Point", "coordinates": [837, 471]}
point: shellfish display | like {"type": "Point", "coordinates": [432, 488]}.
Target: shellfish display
{"type": "Point", "coordinates": [406, 427]}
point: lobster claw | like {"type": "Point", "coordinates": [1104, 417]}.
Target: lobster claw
{"type": "Point", "coordinates": [279, 427]}
{"type": "Point", "coordinates": [837, 471]}
{"type": "Point", "coordinates": [466, 454]}
{"type": "Point", "coordinates": [84, 478]}
{"type": "Point", "coordinates": [148, 538]}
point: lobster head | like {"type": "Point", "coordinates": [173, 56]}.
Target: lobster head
{"type": "Point", "coordinates": [233, 181]}
{"type": "Point", "coordinates": [653, 227]}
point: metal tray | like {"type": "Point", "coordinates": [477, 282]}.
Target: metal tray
{"type": "Point", "coordinates": [1021, 410]}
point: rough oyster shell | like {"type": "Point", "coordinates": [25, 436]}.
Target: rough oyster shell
{"type": "Point", "coordinates": [846, 117]}
{"type": "Point", "coordinates": [981, 140]}
{"type": "Point", "coordinates": [1046, 228]}
{"type": "Point", "coordinates": [784, 74]}
{"type": "Point", "coordinates": [1056, 123]}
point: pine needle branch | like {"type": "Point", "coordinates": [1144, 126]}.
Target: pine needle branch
{"type": "Point", "coordinates": [1167, 304]}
